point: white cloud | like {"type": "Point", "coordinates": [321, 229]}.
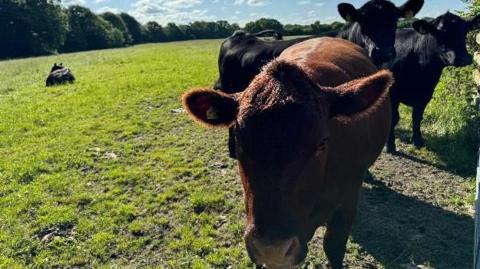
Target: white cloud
{"type": "Point", "coordinates": [308, 2]}
{"type": "Point", "coordinates": [165, 11]}
{"type": "Point", "coordinates": [304, 2]}
{"type": "Point", "coordinates": [100, 1]}
{"type": "Point", "coordinates": [108, 9]}
{"type": "Point", "coordinates": [179, 4]}
{"type": "Point", "coordinates": [73, 2]}
{"type": "Point", "coordinates": [252, 3]}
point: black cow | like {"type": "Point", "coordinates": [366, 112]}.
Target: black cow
{"type": "Point", "coordinates": [422, 53]}
{"type": "Point", "coordinates": [372, 26]}
{"type": "Point", "coordinates": [243, 54]}
{"type": "Point", "coordinates": [59, 75]}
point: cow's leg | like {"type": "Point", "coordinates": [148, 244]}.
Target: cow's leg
{"type": "Point", "coordinates": [336, 236]}
{"type": "Point", "coordinates": [368, 177]}
{"type": "Point", "coordinates": [231, 144]}
{"type": "Point", "coordinates": [391, 148]}
{"type": "Point", "coordinates": [417, 117]}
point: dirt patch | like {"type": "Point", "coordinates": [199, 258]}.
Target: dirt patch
{"type": "Point", "coordinates": [415, 213]}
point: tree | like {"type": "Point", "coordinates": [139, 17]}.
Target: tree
{"type": "Point", "coordinates": [264, 24]}
{"type": "Point", "coordinates": [225, 29]}
{"type": "Point", "coordinates": [136, 30]}
{"type": "Point", "coordinates": [155, 32]}
{"type": "Point", "coordinates": [297, 29]}
{"type": "Point", "coordinates": [31, 27]}
{"type": "Point", "coordinates": [473, 10]}
{"type": "Point", "coordinates": [318, 28]}
{"type": "Point", "coordinates": [173, 33]}
{"type": "Point", "coordinates": [89, 31]}
{"type": "Point", "coordinates": [118, 23]}
{"type": "Point", "coordinates": [337, 25]}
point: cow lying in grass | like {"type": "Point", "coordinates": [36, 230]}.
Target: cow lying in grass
{"type": "Point", "coordinates": [59, 75]}
{"type": "Point", "coordinates": [307, 128]}
{"type": "Point", "coordinates": [423, 52]}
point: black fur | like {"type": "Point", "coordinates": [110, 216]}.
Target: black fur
{"type": "Point", "coordinates": [422, 54]}
{"type": "Point", "coordinates": [59, 75]}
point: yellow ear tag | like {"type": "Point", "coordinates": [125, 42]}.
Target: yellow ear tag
{"type": "Point", "coordinates": [409, 14]}
{"type": "Point", "coordinates": [212, 114]}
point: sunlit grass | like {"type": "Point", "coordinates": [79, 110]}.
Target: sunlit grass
{"type": "Point", "coordinates": [105, 172]}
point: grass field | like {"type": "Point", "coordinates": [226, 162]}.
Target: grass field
{"type": "Point", "coordinates": [108, 173]}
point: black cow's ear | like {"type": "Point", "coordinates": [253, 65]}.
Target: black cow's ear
{"type": "Point", "coordinates": [211, 108]}
{"type": "Point", "coordinates": [423, 27]}
{"type": "Point", "coordinates": [474, 22]}
{"type": "Point", "coordinates": [411, 8]}
{"type": "Point", "coordinates": [349, 13]}
{"type": "Point", "coordinates": [358, 97]}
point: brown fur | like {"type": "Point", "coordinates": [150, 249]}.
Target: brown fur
{"type": "Point", "coordinates": [354, 142]}
{"type": "Point", "coordinates": [308, 127]}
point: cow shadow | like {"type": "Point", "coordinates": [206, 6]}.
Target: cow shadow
{"type": "Point", "coordinates": [397, 230]}
{"type": "Point", "coordinates": [455, 152]}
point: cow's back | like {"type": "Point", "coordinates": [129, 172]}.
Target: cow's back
{"type": "Point", "coordinates": [330, 61]}
{"type": "Point", "coordinates": [354, 145]}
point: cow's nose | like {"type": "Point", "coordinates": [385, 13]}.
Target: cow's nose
{"type": "Point", "coordinates": [279, 253]}
{"type": "Point", "coordinates": [383, 55]}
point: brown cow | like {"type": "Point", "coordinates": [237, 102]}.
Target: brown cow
{"type": "Point", "coordinates": [307, 129]}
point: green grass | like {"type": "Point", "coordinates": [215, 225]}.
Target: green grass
{"type": "Point", "coordinates": [103, 173]}
{"type": "Point", "coordinates": [450, 124]}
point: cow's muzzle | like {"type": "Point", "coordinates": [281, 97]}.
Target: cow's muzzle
{"type": "Point", "coordinates": [381, 56]}
{"type": "Point", "coordinates": [285, 253]}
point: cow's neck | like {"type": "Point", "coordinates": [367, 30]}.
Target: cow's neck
{"type": "Point", "coordinates": [353, 34]}
{"type": "Point", "coordinates": [427, 49]}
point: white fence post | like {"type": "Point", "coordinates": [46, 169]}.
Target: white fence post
{"type": "Point", "coordinates": [476, 255]}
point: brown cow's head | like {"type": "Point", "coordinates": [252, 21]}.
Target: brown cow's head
{"type": "Point", "coordinates": [282, 136]}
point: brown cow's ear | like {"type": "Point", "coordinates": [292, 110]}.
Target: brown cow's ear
{"type": "Point", "coordinates": [211, 108]}
{"type": "Point", "coordinates": [411, 8]}
{"type": "Point", "coordinates": [360, 95]}
{"type": "Point", "coordinates": [349, 13]}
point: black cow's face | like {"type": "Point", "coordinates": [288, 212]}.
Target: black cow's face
{"type": "Point", "coordinates": [450, 32]}
{"type": "Point", "coordinates": [377, 20]}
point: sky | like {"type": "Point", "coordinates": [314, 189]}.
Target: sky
{"type": "Point", "coordinates": [242, 11]}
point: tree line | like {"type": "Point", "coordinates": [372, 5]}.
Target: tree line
{"type": "Point", "coordinates": [42, 27]}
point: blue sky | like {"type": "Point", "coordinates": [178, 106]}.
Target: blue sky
{"type": "Point", "coordinates": [242, 11]}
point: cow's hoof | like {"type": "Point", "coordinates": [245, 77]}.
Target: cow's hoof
{"type": "Point", "coordinates": [418, 142]}
{"type": "Point", "coordinates": [369, 178]}
{"type": "Point", "coordinates": [391, 150]}
{"type": "Point", "coordinates": [335, 266]}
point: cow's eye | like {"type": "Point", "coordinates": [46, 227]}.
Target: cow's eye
{"type": "Point", "coordinates": [321, 147]}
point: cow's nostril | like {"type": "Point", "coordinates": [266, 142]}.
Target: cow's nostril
{"type": "Point", "coordinates": [279, 252]}
{"type": "Point", "coordinates": [293, 248]}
